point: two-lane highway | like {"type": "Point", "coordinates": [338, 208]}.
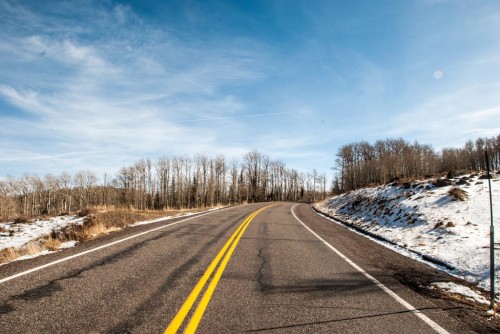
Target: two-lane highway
{"type": "Point", "coordinates": [257, 268]}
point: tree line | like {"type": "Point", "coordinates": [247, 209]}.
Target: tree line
{"type": "Point", "coordinates": [361, 164]}
{"type": "Point", "coordinates": [179, 182]}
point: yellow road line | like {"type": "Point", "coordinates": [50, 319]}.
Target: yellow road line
{"type": "Point", "coordinates": [181, 315]}
{"type": "Point", "coordinates": [200, 310]}
{"type": "Point", "coordinates": [186, 307]}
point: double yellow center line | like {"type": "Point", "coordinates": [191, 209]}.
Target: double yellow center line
{"type": "Point", "coordinates": [193, 296]}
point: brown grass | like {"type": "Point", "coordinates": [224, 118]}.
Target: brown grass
{"type": "Point", "coordinates": [85, 212]}
{"type": "Point", "coordinates": [100, 223]}
{"type": "Point", "coordinates": [458, 194]}
{"type": "Point", "coordinates": [8, 254]}
{"type": "Point", "coordinates": [94, 230]}
{"type": "Point", "coordinates": [462, 299]}
{"type": "Point", "coordinates": [31, 248]}
{"type": "Point", "coordinates": [86, 231]}
{"type": "Point", "coordinates": [51, 244]}
{"type": "Point", "coordinates": [96, 224]}
{"type": "Point", "coordinates": [11, 253]}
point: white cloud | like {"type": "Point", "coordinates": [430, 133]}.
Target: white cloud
{"type": "Point", "coordinates": [99, 77]}
{"type": "Point", "coordinates": [127, 96]}
{"type": "Point", "coordinates": [27, 100]}
{"type": "Point", "coordinates": [449, 119]}
{"type": "Point", "coordinates": [482, 115]}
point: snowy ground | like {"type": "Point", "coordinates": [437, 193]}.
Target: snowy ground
{"type": "Point", "coordinates": [19, 235]}
{"type": "Point", "coordinates": [423, 217]}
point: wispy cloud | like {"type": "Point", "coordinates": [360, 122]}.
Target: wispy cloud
{"type": "Point", "coordinates": [230, 117]}
{"type": "Point", "coordinates": [90, 89]}
{"type": "Point", "coordinates": [111, 82]}
{"type": "Point", "coordinates": [449, 119]}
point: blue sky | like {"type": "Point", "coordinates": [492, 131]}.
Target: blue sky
{"type": "Point", "coordinates": [100, 84]}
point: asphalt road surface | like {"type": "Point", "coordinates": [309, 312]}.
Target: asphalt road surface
{"type": "Point", "coordinates": [256, 268]}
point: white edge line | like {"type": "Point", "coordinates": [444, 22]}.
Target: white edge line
{"type": "Point", "coordinates": [6, 279]}
{"type": "Point", "coordinates": [400, 300]}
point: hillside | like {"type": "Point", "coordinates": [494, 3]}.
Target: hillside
{"type": "Point", "coordinates": [447, 219]}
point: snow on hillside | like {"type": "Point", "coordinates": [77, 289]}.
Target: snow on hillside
{"type": "Point", "coordinates": [425, 217]}
{"type": "Point", "coordinates": [20, 234]}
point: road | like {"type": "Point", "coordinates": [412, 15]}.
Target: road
{"type": "Point", "coordinates": [247, 269]}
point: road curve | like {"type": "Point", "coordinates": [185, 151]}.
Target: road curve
{"type": "Point", "coordinates": [282, 269]}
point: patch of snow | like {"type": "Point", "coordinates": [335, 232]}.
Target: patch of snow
{"type": "Point", "coordinates": [20, 234]}
{"type": "Point", "coordinates": [68, 244]}
{"type": "Point", "coordinates": [32, 256]}
{"type": "Point", "coordinates": [427, 219]}
{"type": "Point", "coordinates": [465, 291]}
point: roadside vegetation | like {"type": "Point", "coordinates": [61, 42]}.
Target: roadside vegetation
{"type": "Point", "coordinates": [361, 164]}
{"type": "Point", "coordinates": [170, 183]}
{"type": "Point", "coordinates": [95, 223]}
{"type": "Point", "coordinates": [458, 194]}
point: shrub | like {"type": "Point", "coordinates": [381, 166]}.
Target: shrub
{"type": "Point", "coordinates": [31, 248]}
{"type": "Point", "coordinates": [85, 212]}
{"type": "Point", "coordinates": [51, 244]}
{"type": "Point", "coordinates": [458, 194]}
{"type": "Point", "coordinates": [21, 220]}
{"type": "Point", "coordinates": [456, 173]}
{"type": "Point", "coordinates": [442, 183]}
{"type": "Point", "coordinates": [90, 229]}
{"type": "Point", "coordinates": [8, 254]}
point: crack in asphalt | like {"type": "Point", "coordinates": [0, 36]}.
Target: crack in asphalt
{"type": "Point", "coordinates": [263, 287]}
{"type": "Point", "coordinates": [349, 319]}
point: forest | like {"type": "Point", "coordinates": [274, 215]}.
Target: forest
{"type": "Point", "coordinates": [185, 182]}
{"type": "Point", "coordinates": [168, 183]}
{"type": "Point", "coordinates": [361, 164]}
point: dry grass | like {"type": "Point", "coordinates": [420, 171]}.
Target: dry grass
{"type": "Point", "coordinates": [86, 231]}
{"type": "Point", "coordinates": [31, 248]}
{"type": "Point", "coordinates": [11, 253]}
{"type": "Point", "coordinates": [51, 244]}
{"type": "Point", "coordinates": [118, 218]}
{"type": "Point", "coordinates": [100, 223]}
{"type": "Point", "coordinates": [85, 212]}
{"type": "Point", "coordinates": [96, 223]}
{"type": "Point", "coordinates": [462, 299]}
{"type": "Point", "coordinates": [458, 194]}
{"type": "Point", "coordinates": [8, 254]}
{"type": "Point", "coordinates": [94, 230]}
